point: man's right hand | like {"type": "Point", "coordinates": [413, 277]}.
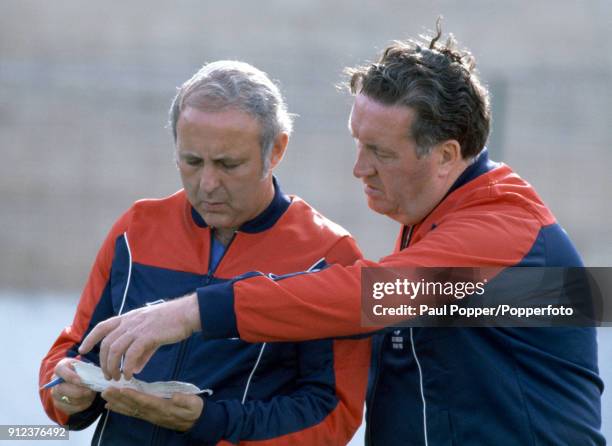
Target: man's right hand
{"type": "Point", "coordinates": [137, 334]}
{"type": "Point", "coordinates": [70, 396]}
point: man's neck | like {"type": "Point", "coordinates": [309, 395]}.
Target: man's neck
{"type": "Point", "coordinates": [456, 173]}
{"type": "Point", "coordinates": [224, 235]}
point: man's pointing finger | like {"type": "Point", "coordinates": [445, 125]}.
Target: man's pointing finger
{"type": "Point", "coordinates": [99, 332]}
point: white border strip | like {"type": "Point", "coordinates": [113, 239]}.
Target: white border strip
{"type": "Point", "coordinates": [416, 358]}
{"type": "Point", "coordinates": [248, 384]}
{"type": "Point", "coordinates": [129, 277]}
{"type": "Point", "coordinates": [263, 346]}
{"type": "Point", "coordinates": [127, 285]}
{"type": "Point", "coordinates": [322, 259]}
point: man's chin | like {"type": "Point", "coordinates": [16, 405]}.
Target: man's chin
{"type": "Point", "coordinates": [378, 207]}
{"type": "Point", "coordinates": [215, 219]}
{"type": "Point", "coordinates": [388, 211]}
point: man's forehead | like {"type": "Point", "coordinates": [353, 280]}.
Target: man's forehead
{"type": "Point", "coordinates": [227, 119]}
{"type": "Point", "coordinates": [369, 116]}
{"type": "Point", "coordinates": [227, 130]}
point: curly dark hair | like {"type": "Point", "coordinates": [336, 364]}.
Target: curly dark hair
{"type": "Point", "coordinates": [439, 82]}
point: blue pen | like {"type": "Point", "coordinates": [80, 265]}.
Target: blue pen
{"type": "Point", "coordinates": [53, 383]}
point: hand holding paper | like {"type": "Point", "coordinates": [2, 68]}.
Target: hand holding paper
{"type": "Point", "coordinates": [69, 394]}
{"type": "Point", "coordinates": [177, 413]}
{"type": "Point", "coordinates": [91, 376]}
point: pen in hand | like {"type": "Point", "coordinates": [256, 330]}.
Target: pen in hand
{"type": "Point", "coordinates": [53, 383]}
{"type": "Point", "coordinates": [58, 379]}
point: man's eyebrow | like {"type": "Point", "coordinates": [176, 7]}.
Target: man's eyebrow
{"type": "Point", "coordinates": [187, 155]}
{"type": "Point", "coordinates": [226, 157]}
{"type": "Point", "coordinates": [374, 147]}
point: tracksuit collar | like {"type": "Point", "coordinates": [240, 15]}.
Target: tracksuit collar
{"type": "Point", "coordinates": [481, 165]}
{"type": "Point", "coordinates": [263, 221]}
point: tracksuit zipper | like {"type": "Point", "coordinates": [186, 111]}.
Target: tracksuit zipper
{"type": "Point", "coordinates": [183, 346]}
{"type": "Point", "coordinates": [404, 244]}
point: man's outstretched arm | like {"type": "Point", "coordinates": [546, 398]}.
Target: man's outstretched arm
{"type": "Point", "coordinates": [318, 305]}
{"type": "Point", "coordinates": [137, 334]}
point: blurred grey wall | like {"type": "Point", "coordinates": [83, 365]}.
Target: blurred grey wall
{"type": "Point", "coordinates": [84, 89]}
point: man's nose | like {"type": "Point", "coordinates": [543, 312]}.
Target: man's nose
{"type": "Point", "coordinates": [209, 179]}
{"type": "Point", "coordinates": [363, 167]}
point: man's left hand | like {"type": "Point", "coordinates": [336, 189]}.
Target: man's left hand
{"type": "Point", "coordinates": [178, 413]}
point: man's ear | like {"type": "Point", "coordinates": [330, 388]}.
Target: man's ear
{"type": "Point", "coordinates": [278, 150]}
{"type": "Point", "coordinates": [448, 154]}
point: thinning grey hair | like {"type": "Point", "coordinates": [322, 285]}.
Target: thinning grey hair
{"type": "Point", "coordinates": [228, 84]}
